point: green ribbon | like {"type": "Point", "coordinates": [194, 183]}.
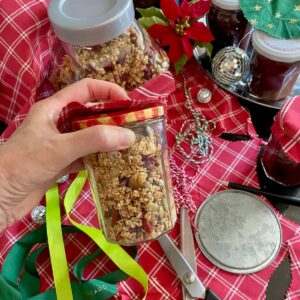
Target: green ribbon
{"type": "Point", "coordinates": [18, 259]}
{"type": "Point", "coordinates": [56, 246]}
{"type": "Point", "coordinates": [115, 252]}
{"type": "Point", "coordinates": [21, 260]}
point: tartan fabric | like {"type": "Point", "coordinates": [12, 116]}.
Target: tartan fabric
{"type": "Point", "coordinates": [233, 161]}
{"type": "Point", "coordinates": [286, 128]}
{"type": "Point", "coordinates": [26, 44]}
{"type": "Point", "coordinates": [25, 50]}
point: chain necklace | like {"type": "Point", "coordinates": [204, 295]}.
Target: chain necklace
{"type": "Point", "coordinates": [195, 133]}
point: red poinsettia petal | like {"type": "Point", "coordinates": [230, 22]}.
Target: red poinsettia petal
{"type": "Point", "coordinates": [170, 9]}
{"type": "Point", "coordinates": [185, 9]}
{"type": "Point", "coordinates": [175, 52]}
{"type": "Point", "coordinates": [160, 32]}
{"type": "Point", "coordinates": [187, 46]}
{"type": "Point", "coordinates": [199, 32]}
{"type": "Point", "coordinates": [169, 39]}
{"type": "Point", "coordinates": [200, 8]}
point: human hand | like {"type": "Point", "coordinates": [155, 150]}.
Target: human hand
{"type": "Point", "coordinates": [38, 154]}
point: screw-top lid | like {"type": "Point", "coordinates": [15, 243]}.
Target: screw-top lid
{"type": "Point", "coordinates": [227, 4]}
{"type": "Point", "coordinates": [276, 49]}
{"type": "Point", "coordinates": [90, 22]}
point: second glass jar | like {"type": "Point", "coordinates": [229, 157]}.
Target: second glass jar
{"type": "Point", "coordinates": [228, 24]}
{"type": "Point", "coordinates": [275, 66]}
{"type": "Point", "coordinates": [103, 41]}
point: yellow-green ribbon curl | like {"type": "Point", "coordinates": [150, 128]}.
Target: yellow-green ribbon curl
{"type": "Point", "coordinates": [115, 252]}
{"type": "Point", "coordinates": [56, 246]}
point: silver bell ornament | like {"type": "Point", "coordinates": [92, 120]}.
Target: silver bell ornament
{"type": "Point", "coordinates": [204, 95]}
{"type": "Point", "coordinates": [38, 214]}
{"type": "Point", "coordinates": [230, 65]}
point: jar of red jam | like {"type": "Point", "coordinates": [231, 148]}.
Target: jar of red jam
{"type": "Point", "coordinates": [275, 66]}
{"type": "Point", "coordinates": [228, 24]}
{"type": "Point", "coordinates": [281, 157]}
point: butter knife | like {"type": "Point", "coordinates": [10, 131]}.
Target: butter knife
{"type": "Point", "coordinates": [279, 281]}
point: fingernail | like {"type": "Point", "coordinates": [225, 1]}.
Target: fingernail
{"type": "Point", "coordinates": [127, 137]}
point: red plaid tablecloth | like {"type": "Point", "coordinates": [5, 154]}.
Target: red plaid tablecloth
{"type": "Point", "coordinates": [22, 73]}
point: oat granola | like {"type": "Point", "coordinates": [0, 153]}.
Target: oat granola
{"type": "Point", "coordinates": [128, 60]}
{"type": "Point", "coordinates": [132, 191]}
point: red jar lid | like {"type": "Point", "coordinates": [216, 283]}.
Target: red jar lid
{"type": "Point", "coordinates": [286, 128]}
{"type": "Point", "coordinates": [119, 118]}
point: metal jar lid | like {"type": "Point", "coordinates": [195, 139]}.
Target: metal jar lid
{"type": "Point", "coordinates": [227, 4]}
{"type": "Point", "coordinates": [238, 232]}
{"type": "Point", "coordinates": [286, 51]}
{"type": "Point", "coordinates": [90, 22]}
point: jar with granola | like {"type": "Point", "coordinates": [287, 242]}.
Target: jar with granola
{"type": "Point", "coordinates": [132, 188]}
{"type": "Point", "coordinates": [102, 40]}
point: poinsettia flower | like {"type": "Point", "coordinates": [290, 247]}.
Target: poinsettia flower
{"type": "Point", "coordinates": [183, 27]}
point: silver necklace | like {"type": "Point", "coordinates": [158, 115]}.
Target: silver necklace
{"type": "Point", "coordinates": [195, 133]}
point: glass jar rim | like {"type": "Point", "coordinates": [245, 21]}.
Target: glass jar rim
{"type": "Point", "coordinates": [120, 118]}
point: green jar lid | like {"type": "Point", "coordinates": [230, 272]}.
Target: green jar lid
{"type": "Point", "coordinates": [278, 18]}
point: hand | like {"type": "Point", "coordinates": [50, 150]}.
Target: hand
{"type": "Point", "coordinates": [37, 154]}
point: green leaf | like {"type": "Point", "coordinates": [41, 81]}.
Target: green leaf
{"type": "Point", "coordinates": [152, 12]}
{"type": "Point", "coordinates": [180, 63]}
{"type": "Point", "coordinates": [147, 22]}
{"type": "Point", "coordinates": [207, 46]}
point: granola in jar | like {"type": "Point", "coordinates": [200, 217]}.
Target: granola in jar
{"type": "Point", "coordinates": [127, 56]}
{"type": "Point", "coordinates": [133, 187]}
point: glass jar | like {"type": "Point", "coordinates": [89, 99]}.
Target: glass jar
{"type": "Point", "coordinates": [102, 40]}
{"type": "Point", "coordinates": [227, 23]}
{"type": "Point", "coordinates": [278, 166]}
{"type": "Point", "coordinates": [281, 157]}
{"type": "Point", "coordinates": [132, 187]}
{"type": "Point", "coordinates": [275, 66]}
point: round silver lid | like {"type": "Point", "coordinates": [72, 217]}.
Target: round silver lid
{"type": "Point", "coordinates": [238, 232]}
{"type": "Point", "coordinates": [90, 22]}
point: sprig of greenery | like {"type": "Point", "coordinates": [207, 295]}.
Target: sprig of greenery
{"type": "Point", "coordinates": [151, 16]}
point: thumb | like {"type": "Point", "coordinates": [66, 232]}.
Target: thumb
{"type": "Point", "coordinates": [100, 138]}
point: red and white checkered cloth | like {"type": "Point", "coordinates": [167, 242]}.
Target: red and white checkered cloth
{"type": "Point", "coordinates": [21, 78]}
{"type": "Point", "coordinates": [26, 44]}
